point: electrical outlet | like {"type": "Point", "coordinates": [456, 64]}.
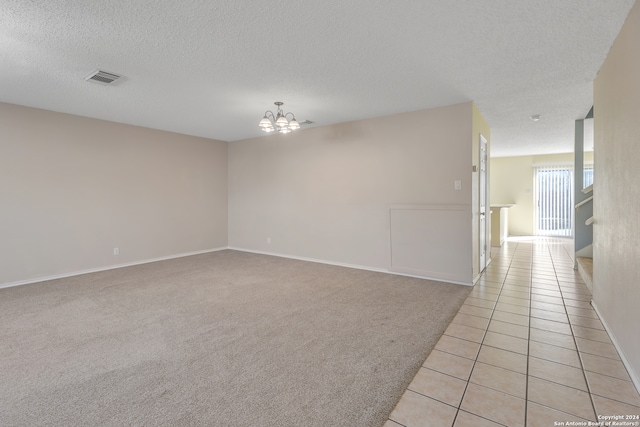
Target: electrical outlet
{"type": "Point", "coordinates": [269, 240]}
{"type": "Point", "coordinates": [116, 251]}
{"type": "Point", "coordinates": [458, 184]}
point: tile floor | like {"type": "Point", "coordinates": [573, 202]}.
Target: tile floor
{"type": "Point", "coordinates": [525, 349]}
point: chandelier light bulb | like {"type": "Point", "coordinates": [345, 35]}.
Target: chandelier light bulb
{"type": "Point", "coordinates": [278, 121]}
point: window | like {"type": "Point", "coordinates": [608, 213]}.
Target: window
{"type": "Point", "coordinates": [587, 176]}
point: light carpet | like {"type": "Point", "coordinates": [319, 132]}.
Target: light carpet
{"type": "Point", "coordinates": [220, 339]}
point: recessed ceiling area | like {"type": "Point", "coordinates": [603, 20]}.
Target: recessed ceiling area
{"type": "Point", "coordinates": [211, 69]}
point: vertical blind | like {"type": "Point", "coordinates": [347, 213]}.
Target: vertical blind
{"type": "Point", "coordinates": [554, 200]}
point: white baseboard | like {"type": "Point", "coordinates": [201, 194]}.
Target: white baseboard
{"type": "Point", "coordinates": [146, 261]}
{"type": "Point", "coordinates": [632, 374]}
{"type": "Point", "coordinates": [356, 266]}
{"type": "Point", "coordinates": [110, 267]}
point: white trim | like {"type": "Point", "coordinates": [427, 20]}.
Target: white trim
{"type": "Point", "coordinates": [342, 264]}
{"type": "Point", "coordinates": [634, 377]}
{"type": "Point", "coordinates": [146, 261]}
{"type": "Point", "coordinates": [110, 267]}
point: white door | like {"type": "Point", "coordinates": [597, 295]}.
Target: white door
{"type": "Point", "coordinates": [483, 203]}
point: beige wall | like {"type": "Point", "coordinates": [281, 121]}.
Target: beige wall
{"type": "Point", "coordinates": [324, 193]}
{"type": "Point", "coordinates": [616, 192]}
{"type": "Point", "coordinates": [512, 182]}
{"type": "Point", "coordinates": [73, 188]}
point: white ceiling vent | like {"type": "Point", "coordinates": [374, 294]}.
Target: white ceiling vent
{"type": "Point", "coordinates": [102, 77]}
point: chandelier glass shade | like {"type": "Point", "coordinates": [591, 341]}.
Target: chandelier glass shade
{"type": "Point", "coordinates": [279, 121]}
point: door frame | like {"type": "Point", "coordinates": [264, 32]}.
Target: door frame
{"type": "Point", "coordinates": [484, 205]}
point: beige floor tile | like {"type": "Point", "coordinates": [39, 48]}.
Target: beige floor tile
{"type": "Point", "coordinates": [499, 265]}
{"type": "Point", "coordinates": [486, 283]}
{"type": "Point", "coordinates": [514, 301]}
{"type": "Point", "coordinates": [519, 274]}
{"type": "Point", "coordinates": [598, 348]}
{"type": "Point", "coordinates": [509, 329]}
{"type": "Point", "coordinates": [550, 325]}
{"type": "Point", "coordinates": [612, 388]}
{"type": "Point", "coordinates": [415, 410]}
{"type": "Point", "coordinates": [499, 379]}
{"type": "Point", "coordinates": [517, 319]}
{"type": "Point", "coordinates": [484, 295]}
{"type": "Point", "coordinates": [489, 287]}
{"type": "Point", "coordinates": [546, 292]}
{"type": "Point", "coordinates": [586, 322]}
{"type": "Point", "coordinates": [569, 277]}
{"type": "Point", "coordinates": [554, 354]}
{"type": "Point", "coordinates": [544, 298]}
{"type": "Point", "coordinates": [506, 342]}
{"type": "Point", "coordinates": [549, 315]}
{"type": "Point", "coordinates": [550, 285]}
{"type": "Point", "coordinates": [503, 358]}
{"type": "Point", "coordinates": [548, 307]}
{"type": "Point", "coordinates": [475, 311]}
{"type": "Point", "coordinates": [574, 288]}
{"type": "Point", "coordinates": [582, 312]}
{"type": "Point", "coordinates": [576, 303]}
{"type": "Point", "coordinates": [465, 419]}
{"type": "Point", "coordinates": [542, 416]}
{"type": "Point", "coordinates": [520, 268]}
{"type": "Point", "coordinates": [591, 334]}
{"type": "Point", "coordinates": [494, 405]}
{"type": "Point", "coordinates": [542, 265]}
{"type": "Point", "coordinates": [438, 386]}
{"type": "Point", "coordinates": [473, 321]}
{"type": "Point", "coordinates": [604, 366]}
{"type": "Point", "coordinates": [557, 373]}
{"type": "Point", "coordinates": [540, 273]}
{"type": "Point", "coordinates": [517, 284]}
{"type": "Point", "coordinates": [566, 399]}
{"type": "Point", "coordinates": [514, 283]}
{"type": "Point", "coordinates": [553, 338]}
{"type": "Point", "coordinates": [510, 308]}
{"type": "Point", "coordinates": [477, 302]}
{"type": "Point", "coordinates": [538, 282]}
{"type": "Point", "coordinates": [447, 363]}
{"type": "Point", "coordinates": [492, 279]}
{"type": "Point", "coordinates": [465, 332]}
{"type": "Point", "coordinates": [576, 297]}
{"type": "Point", "coordinates": [519, 277]}
{"type": "Point", "coordinates": [515, 292]}
{"type": "Point", "coordinates": [606, 406]}
{"type": "Point", "coordinates": [458, 347]}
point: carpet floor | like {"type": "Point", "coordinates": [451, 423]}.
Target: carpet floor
{"type": "Point", "coordinates": [221, 339]}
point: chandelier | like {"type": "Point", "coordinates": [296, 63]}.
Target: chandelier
{"type": "Point", "coordinates": [278, 121]}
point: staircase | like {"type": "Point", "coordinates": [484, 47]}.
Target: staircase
{"type": "Point", "coordinates": [585, 268]}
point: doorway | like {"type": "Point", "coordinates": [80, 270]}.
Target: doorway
{"type": "Point", "coordinates": [484, 202]}
{"type": "Point", "coordinates": [554, 211]}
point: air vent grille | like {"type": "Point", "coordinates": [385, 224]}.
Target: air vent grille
{"type": "Point", "coordinates": [102, 77]}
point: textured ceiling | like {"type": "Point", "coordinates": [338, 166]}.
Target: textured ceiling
{"type": "Point", "coordinates": [211, 68]}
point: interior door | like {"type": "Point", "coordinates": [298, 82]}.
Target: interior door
{"type": "Point", "coordinates": [483, 203]}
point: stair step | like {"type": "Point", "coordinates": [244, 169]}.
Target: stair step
{"type": "Point", "coordinates": [585, 268]}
